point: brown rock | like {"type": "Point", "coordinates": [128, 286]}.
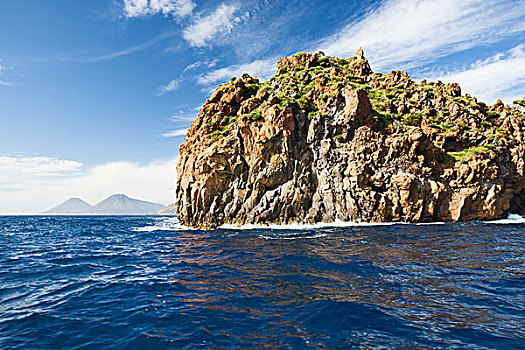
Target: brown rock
{"type": "Point", "coordinates": [312, 145]}
{"type": "Point", "coordinates": [359, 54]}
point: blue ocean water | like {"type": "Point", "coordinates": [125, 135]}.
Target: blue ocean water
{"type": "Point", "coordinates": [147, 283]}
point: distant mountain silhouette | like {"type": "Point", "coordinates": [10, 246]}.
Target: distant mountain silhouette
{"type": "Point", "coordinates": [71, 206]}
{"type": "Point", "coordinates": [168, 210]}
{"type": "Point", "coordinates": [120, 204]}
{"type": "Point", "coordinates": [117, 204]}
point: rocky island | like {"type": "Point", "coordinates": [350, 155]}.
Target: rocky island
{"type": "Point", "coordinates": [328, 139]}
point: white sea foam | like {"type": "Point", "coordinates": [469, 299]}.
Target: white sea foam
{"type": "Point", "coordinates": [423, 223]}
{"type": "Point", "coordinates": [296, 226]}
{"type": "Point", "coordinates": [292, 237]}
{"type": "Point", "coordinates": [511, 220]}
{"type": "Point", "coordinates": [163, 224]}
{"type": "Point", "coordinates": [335, 224]}
{"type": "Point", "coordinates": [172, 224]}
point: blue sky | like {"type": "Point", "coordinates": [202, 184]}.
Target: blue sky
{"type": "Point", "coordinates": [95, 95]}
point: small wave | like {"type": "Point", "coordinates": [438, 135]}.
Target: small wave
{"type": "Point", "coordinates": [511, 220]}
{"type": "Point", "coordinates": [424, 223]}
{"type": "Point", "coordinates": [296, 226]}
{"type": "Point", "coordinates": [334, 224]}
{"type": "Point", "coordinates": [294, 236]}
{"type": "Point", "coordinates": [163, 224]}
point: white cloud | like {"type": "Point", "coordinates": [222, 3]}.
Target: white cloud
{"type": "Point", "coordinates": [179, 8]}
{"type": "Point", "coordinates": [32, 185]}
{"type": "Point", "coordinates": [194, 65]}
{"type": "Point", "coordinates": [129, 50]}
{"type": "Point", "coordinates": [499, 77]}
{"type": "Point", "coordinates": [20, 168]}
{"type": "Point", "coordinates": [2, 69]}
{"type": "Point", "coordinates": [175, 8]}
{"type": "Point", "coordinates": [184, 117]}
{"type": "Point", "coordinates": [262, 69]}
{"type": "Point", "coordinates": [197, 64]}
{"type": "Point", "coordinates": [171, 86]}
{"type": "Point", "coordinates": [414, 32]}
{"type": "Point", "coordinates": [175, 133]}
{"type": "Point", "coordinates": [133, 8]}
{"type": "Point", "coordinates": [222, 21]}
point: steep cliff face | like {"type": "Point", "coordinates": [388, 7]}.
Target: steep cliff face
{"type": "Point", "coordinates": [328, 139]}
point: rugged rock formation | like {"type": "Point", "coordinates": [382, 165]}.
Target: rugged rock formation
{"type": "Point", "coordinates": [328, 139]}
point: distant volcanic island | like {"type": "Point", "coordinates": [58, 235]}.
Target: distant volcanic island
{"type": "Point", "coordinates": [117, 204]}
{"type": "Point", "coordinates": [328, 139]}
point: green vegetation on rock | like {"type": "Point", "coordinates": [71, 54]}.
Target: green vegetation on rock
{"type": "Point", "coordinates": [467, 153]}
{"type": "Point", "coordinates": [314, 83]}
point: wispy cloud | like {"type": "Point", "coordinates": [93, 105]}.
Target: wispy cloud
{"type": "Point", "coordinates": [176, 133]}
{"type": "Point", "coordinates": [206, 63]}
{"type": "Point", "coordinates": [123, 52]}
{"type": "Point", "coordinates": [2, 70]}
{"type": "Point", "coordinates": [261, 68]}
{"type": "Point", "coordinates": [12, 168]}
{"type": "Point", "coordinates": [411, 33]}
{"type": "Point", "coordinates": [175, 8]}
{"type": "Point", "coordinates": [205, 28]}
{"type": "Point", "coordinates": [185, 116]}
{"type": "Point", "coordinates": [501, 76]}
{"type": "Point", "coordinates": [171, 86]}
{"type": "Point", "coordinates": [129, 50]}
{"type": "Point", "coordinates": [31, 185]}
{"type": "Point", "coordinates": [414, 32]}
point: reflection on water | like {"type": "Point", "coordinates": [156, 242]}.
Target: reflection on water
{"type": "Point", "coordinates": [448, 276]}
{"type": "Point", "coordinates": [400, 286]}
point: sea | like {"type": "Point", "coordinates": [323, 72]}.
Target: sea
{"type": "Point", "coordinates": [103, 282]}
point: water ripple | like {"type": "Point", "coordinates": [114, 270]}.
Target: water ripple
{"type": "Point", "coordinates": [146, 282]}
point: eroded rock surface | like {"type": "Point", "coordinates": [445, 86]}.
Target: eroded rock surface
{"type": "Point", "coordinates": [327, 139]}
